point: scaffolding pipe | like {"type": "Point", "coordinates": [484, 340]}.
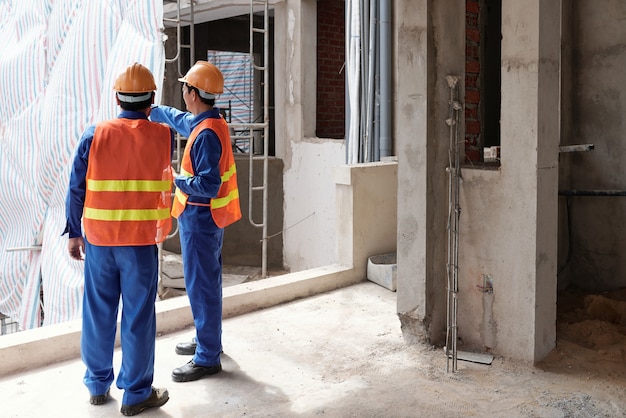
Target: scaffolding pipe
{"type": "Point", "coordinates": [177, 58]}
{"type": "Point", "coordinates": [265, 127]}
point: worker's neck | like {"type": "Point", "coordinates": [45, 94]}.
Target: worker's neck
{"type": "Point", "coordinates": [201, 108]}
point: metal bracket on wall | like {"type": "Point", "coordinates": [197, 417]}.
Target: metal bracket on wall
{"type": "Point", "coordinates": [576, 148]}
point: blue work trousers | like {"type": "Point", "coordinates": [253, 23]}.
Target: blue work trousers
{"type": "Point", "coordinates": [201, 246]}
{"type": "Point", "coordinates": [132, 274]}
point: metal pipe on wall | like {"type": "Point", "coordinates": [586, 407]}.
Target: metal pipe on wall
{"type": "Point", "coordinates": [385, 78]}
{"type": "Point", "coordinates": [353, 80]}
{"type": "Point", "coordinates": [368, 80]}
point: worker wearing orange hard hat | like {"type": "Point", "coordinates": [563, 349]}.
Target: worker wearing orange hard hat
{"type": "Point", "coordinates": [120, 187]}
{"type": "Point", "coordinates": [205, 202]}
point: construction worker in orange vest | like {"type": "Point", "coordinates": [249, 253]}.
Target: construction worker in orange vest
{"type": "Point", "coordinates": [205, 202]}
{"type": "Point", "coordinates": [120, 185]}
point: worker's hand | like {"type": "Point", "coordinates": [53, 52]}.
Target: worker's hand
{"type": "Point", "coordinates": [76, 248]}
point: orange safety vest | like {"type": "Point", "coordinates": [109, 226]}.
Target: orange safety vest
{"type": "Point", "coordinates": [225, 206]}
{"type": "Point", "coordinates": [129, 183]}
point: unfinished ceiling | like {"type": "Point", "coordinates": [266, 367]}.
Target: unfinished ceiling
{"type": "Point", "coordinates": [209, 10]}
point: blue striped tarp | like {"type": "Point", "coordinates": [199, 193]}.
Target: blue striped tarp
{"type": "Point", "coordinates": [58, 62]}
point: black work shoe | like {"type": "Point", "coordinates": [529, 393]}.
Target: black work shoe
{"type": "Point", "coordinates": [99, 399]}
{"type": "Point", "coordinates": [192, 371]}
{"type": "Point", "coordinates": [187, 348]}
{"type": "Point", "coordinates": [157, 398]}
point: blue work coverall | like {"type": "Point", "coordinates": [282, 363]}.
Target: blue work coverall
{"type": "Point", "coordinates": [200, 238]}
{"type": "Point", "coordinates": [111, 272]}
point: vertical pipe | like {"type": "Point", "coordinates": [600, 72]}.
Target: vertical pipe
{"type": "Point", "coordinates": [364, 60]}
{"type": "Point", "coordinates": [353, 79]}
{"type": "Point", "coordinates": [377, 66]}
{"type": "Point", "coordinates": [369, 97]}
{"type": "Point", "coordinates": [385, 78]}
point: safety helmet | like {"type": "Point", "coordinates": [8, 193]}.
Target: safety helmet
{"type": "Point", "coordinates": [205, 77]}
{"type": "Point", "coordinates": [135, 79]}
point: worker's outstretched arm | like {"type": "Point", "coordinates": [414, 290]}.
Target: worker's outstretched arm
{"type": "Point", "coordinates": [177, 119]}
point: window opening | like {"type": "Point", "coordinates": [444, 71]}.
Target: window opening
{"type": "Point", "coordinates": [483, 55]}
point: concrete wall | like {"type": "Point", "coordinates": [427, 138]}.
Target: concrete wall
{"type": "Point", "coordinates": [242, 240]}
{"type": "Point", "coordinates": [508, 217]}
{"type": "Point", "coordinates": [594, 111]}
{"type": "Point", "coordinates": [368, 193]}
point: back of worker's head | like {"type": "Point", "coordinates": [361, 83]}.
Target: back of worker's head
{"type": "Point", "coordinates": [135, 87]}
{"type": "Point", "coordinates": [206, 79]}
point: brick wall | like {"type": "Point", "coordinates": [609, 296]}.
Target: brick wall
{"type": "Point", "coordinates": [330, 69]}
{"type": "Point", "coordinates": [472, 81]}
{"type": "Point", "coordinates": [331, 74]}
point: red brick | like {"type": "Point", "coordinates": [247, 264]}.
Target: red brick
{"type": "Point", "coordinates": [472, 34]}
{"type": "Point", "coordinates": [472, 127]}
{"type": "Point", "coordinates": [472, 154]}
{"type": "Point", "coordinates": [472, 96]}
{"type": "Point", "coordinates": [472, 6]}
{"type": "Point", "coordinates": [472, 67]}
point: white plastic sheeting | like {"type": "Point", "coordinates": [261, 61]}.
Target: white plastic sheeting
{"type": "Point", "coordinates": [58, 62]}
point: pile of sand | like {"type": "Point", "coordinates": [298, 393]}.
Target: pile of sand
{"type": "Point", "coordinates": [599, 324]}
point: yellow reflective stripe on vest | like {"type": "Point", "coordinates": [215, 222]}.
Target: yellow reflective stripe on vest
{"type": "Point", "coordinates": [128, 185]}
{"type": "Point", "coordinates": [217, 203]}
{"type": "Point", "coordinates": [185, 172]}
{"type": "Point", "coordinates": [182, 198]}
{"type": "Point", "coordinates": [227, 175]}
{"type": "Point", "coordinates": [127, 214]}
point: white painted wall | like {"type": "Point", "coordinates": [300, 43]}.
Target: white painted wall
{"type": "Point", "coordinates": [310, 234]}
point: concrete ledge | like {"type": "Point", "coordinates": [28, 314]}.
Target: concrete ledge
{"type": "Point", "coordinates": [40, 347]}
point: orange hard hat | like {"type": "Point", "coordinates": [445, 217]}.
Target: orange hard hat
{"type": "Point", "coordinates": [205, 77]}
{"type": "Point", "coordinates": [135, 79]}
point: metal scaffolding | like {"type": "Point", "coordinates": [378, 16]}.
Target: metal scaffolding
{"type": "Point", "coordinates": [255, 133]}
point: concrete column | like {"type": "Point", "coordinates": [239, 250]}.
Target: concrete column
{"type": "Point", "coordinates": [295, 74]}
{"type": "Point", "coordinates": [429, 39]}
{"type": "Point", "coordinates": [411, 38]}
{"type": "Point", "coordinates": [530, 137]}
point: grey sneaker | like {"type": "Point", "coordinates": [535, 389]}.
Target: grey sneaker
{"type": "Point", "coordinates": [157, 398]}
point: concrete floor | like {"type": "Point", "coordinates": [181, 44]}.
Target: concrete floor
{"type": "Point", "coordinates": [336, 354]}
{"type": "Point", "coordinates": [277, 362]}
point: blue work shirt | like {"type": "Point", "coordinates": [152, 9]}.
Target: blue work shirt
{"type": "Point", "coordinates": [75, 199]}
{"type": "Point", "coordinates": [205, 152]}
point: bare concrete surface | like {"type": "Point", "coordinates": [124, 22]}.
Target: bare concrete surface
{"type": "Point", "coordinates": [341, 354]}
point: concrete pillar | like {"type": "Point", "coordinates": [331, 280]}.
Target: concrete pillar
{"type": "Point", "coordinates": [411, 113]}
{"type": "Point", "coordinates": [429, 39]}
{"type": "Point", "coordinates": [295, 72]}
{"type": "Point", "coordinates": [530, 137]}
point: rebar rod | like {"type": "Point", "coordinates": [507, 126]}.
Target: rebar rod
{"type": "Point", "coordinates": [454, 211]}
